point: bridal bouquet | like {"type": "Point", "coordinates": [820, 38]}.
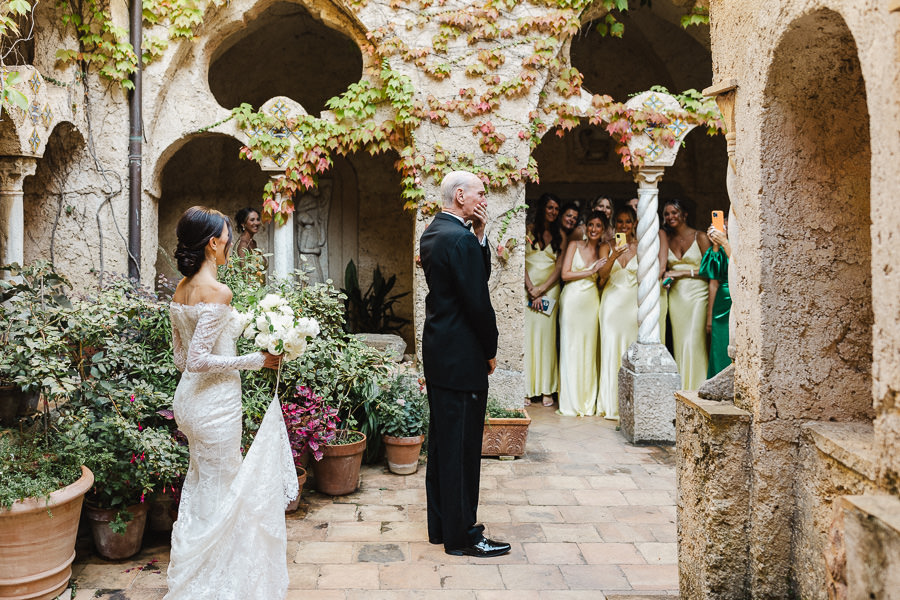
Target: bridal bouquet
{"type": "Point", "coordinates": [275, 328]}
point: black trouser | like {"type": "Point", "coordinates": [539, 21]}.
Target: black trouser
{"type": "Point", "coordinates": [454, 465]}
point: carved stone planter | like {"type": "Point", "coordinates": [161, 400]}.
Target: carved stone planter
{"type": "Point", "coordinates": [505, 437]}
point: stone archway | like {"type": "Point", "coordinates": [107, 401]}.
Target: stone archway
{"type": "Point", "coordinates": [815, 298]}
{"type": "Point", "coordinates": [283, 53]}
{"type": "Point", "coordinates": [654, 50]}
{"type": "Point", "coordinates": [816, 304]}
{"type": "Point", "coordinates": [56, 205]}
{"type": "Point", "coordinates": [205, 170]}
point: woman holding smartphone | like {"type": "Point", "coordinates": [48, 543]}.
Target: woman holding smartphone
{"type": "Point", "coordinates": [688, 294]}
{"type": "Point", "coordinates": [618, 310]}
{"type": "Point", "coordinates": [543, 263]}
{"type": "Point", "coordinates": [579, 303]}
{"type": "Point", "coordinates": [715, 267]}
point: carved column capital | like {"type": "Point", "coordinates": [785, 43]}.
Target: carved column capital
{"type": "Point", "coordinates": [648, 177]}
{"type": "Point", "coordinates": [14, 170]}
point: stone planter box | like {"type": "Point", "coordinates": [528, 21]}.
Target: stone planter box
{"type": "Point", "coordinates": [505, 437]}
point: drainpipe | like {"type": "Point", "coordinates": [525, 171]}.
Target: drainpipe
{"type": "Point", "coordinates": [134, 149]}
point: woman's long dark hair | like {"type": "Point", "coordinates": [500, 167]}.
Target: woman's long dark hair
{"type": "Point", "coordinates": [540, 225]}
{"type": "Point", "coordinates": [242, 216]}
{"type": "Point", "coordinates": [195, 228]}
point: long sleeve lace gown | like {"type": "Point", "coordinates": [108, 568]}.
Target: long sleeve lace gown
{"type": "Point", "coordinates": [229, 542]}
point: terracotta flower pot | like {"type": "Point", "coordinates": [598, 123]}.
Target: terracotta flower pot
{"type": "Point", "coordinates": [337, 473]}
{"type": "Point", "coordinates": [403, 453]}
{"type": "Point", "coordinates": [301, 480]}
{"type": "Point", "coordinates": [112, 545]}
{"type": "Point", "coordinates": [160, 516]}
{"type": "Point", "coordinates": [505, 437]}
{"type": "Point", "coordinates": [37, 549]}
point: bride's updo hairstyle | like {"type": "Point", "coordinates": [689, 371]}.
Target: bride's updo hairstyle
{"type": "Point", "coordinates": [195, 228]}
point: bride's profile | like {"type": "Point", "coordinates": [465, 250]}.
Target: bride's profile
{"type": "Point", "coordinates": [229, 542]}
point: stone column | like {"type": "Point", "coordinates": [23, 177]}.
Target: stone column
{"type": "Point", "coordinates": [649, 376]}
{"type": "Point", "coordinates": [283, 246]}
{"type": "Point", "coordinates": [13, 171]}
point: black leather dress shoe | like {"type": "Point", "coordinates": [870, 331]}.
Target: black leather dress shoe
{"type": "Point", "coordinates": [484, 549]}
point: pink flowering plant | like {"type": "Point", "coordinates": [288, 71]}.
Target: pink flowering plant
{"type": "Point", "coordinates": [310, 422]}
{"type": "Point", "coordinates": [402, 407]}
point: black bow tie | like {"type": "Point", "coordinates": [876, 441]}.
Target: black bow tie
{"type": "Point", "coordinates": [468, 225]}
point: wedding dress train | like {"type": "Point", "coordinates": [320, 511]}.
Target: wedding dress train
{"type": "Point", "coordinates": [229, 542]}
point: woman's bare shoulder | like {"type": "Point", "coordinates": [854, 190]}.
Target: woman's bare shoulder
{"type": "Point", "coordinates": [191, 293]}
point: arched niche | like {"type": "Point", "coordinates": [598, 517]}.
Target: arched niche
{"type": "Point", "coordinates": [284, 52]}
{"type": "Point", "coordinates": [654, 50]}
{"type": "Point", "coordinates": [207, 171]}
{"type": "Point", "coordinates": [372, 228]}
{"type": "Point", "coordinates": [816, 293]}
{"type": "Point", "coordinates": [60, 223]}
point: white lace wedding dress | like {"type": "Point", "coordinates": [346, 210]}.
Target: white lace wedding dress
{"type": "Point", "coordinates": [229, 542]}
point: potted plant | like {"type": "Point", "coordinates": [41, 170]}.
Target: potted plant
{"type": "Point", "coordinates": [41, 484]}
{"type": "Point", "coordinates": [130, 461]}
{"type": "Point", "coordinates": [41, 492]}
{"type": "Point", "coordinates": [310, 425]}
{"type": "Point", "coordinates": [505, 430]}
{"type": "Point", "coordinates": [403, 413]}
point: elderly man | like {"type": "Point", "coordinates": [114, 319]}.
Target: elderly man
{"type": "Point", "coordinates": [459, 345]}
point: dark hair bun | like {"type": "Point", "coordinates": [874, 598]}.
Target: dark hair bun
{"type": "Point", "coordinates": [195, 228]}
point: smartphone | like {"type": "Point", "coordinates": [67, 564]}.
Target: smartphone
{"type": "Point", "coordinates": [718, 220]}
{"type": "Point", "coordinates": [667, 281]}
{"type": "Point", "coordinates": [621, 240]}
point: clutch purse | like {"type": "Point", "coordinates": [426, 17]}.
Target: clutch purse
{"type": "Point", "coordinates": [543, 304]}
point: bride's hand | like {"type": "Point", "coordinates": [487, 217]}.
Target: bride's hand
{"type": "Point", "coordinates": [273, 361]}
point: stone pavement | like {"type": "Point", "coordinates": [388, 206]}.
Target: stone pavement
{"type": "Point", "coordinates": [588, 515]}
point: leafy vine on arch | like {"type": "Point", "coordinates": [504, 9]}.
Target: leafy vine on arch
{"type": "Point", "coordinates": [383, 109]}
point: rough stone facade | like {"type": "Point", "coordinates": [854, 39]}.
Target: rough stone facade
{"type": "Point", "coordinates": [814, 88]}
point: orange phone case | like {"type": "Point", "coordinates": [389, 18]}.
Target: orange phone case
{"type": "Point", "coordinates": [718, 220]}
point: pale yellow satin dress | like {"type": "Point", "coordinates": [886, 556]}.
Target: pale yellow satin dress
{"type": "Point", "coordinates": [619, 319]}
{"type": "Point", "coordinates": [541, 366]}
{"type": "Point", "coordinates": [688, 299]}
{"type": "Point", "coordinates": [578, 332]}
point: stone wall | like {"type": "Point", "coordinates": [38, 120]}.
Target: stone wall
{"type": "Point", "coordinates": [815, 297]}
{"type": "Point", "coordinates": [835, 459]}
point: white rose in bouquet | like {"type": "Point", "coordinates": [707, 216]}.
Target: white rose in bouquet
{"type": "Point", "coordinates": [273, 327]}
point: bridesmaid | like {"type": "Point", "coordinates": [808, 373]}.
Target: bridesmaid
{"type": "Point", "coordinates": [715, 267]}
{"type": "Point", "coordinates": [569, 222]}
{"type": "Point", "coordinates": [543, 263]}
{"type": "Point", "coordinates": [688, 294]}
{"type": "Point", "coordinates": [605, 205]}
{"type": "Point", "coordinates": [579, 303]}
{"type": "Point", "coordinates": [618, 311]}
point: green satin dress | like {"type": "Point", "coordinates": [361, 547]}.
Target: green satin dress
{"type": "Point", "coordinates": [578, 332]}
{"type": "Point", "coordinates": [715, 266]}
{"type": "Point", "coordinates": [541, 368]}
{"type": "Point", "coordinates": [619, 319]}
{"type": "Point", "coordinates": [688, 300]}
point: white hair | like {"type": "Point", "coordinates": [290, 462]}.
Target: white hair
{"type": "Point", "coordinates": [452, 181]}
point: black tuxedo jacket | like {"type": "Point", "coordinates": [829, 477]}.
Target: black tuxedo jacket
{"type": "Point", "coordinates": [460, 333]}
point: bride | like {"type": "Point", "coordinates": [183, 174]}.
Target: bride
{"type": "Point", "coordinates": [229, 542]}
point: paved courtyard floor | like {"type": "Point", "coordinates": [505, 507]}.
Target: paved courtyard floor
{"type": "Point", "coordinates": [588, 515]}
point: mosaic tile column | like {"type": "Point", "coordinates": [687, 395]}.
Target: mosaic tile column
{"type": "Point", "coordinates": [13, 171]}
